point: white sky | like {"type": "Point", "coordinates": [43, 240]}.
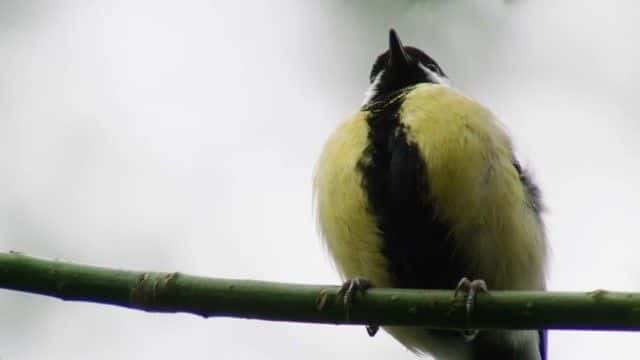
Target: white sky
{"type": "Point", "coordinates": [165, 136]}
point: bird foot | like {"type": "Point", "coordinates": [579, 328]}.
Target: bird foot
{"type": "Point", "coordinates": [471, 287]}
{"type": "Point", "coordinates": [349, 290]}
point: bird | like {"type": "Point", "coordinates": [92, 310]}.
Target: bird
{"type": "Point", "coordinates": [420, 188]}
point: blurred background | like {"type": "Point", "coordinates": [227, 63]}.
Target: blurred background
{"type": "Point", "coordinates": [165, 136]}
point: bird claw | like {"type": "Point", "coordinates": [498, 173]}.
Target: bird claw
{"type": "Point", "coordinates": [469, 334]}
{"type": "Point", "coordinates": [351, 287]}
{"type": "Point", "coordinates": [472, 288]}
{"type": "Point", "coordinates": [348, 291]}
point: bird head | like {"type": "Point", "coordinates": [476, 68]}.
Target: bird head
{"type": "Point", "coordinates": [400, 67]}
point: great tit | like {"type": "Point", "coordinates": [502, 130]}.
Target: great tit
{"type": "Point", "coordinates": [419, 189]}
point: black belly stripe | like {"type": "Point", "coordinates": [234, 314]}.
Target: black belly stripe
{"type": "Point", "coordinates": [485, 346]}
{"type": "Point", "coordinates": [416, 243]}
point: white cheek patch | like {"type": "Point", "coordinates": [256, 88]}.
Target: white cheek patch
{"type": "Point", "coordinates": [433, 76]}
{"type": "Point", "coordinates": [372, 90]}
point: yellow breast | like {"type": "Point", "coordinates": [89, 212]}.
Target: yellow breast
{"type": "Point", "coordinates": [347, 225]}
{"type": "Point", "coordinates": [475, 186]}
{"type": "Point", "coordinates": [472, 180]}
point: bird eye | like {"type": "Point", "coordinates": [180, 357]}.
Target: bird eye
{"type": "Point", "coordinates": [433, 67]}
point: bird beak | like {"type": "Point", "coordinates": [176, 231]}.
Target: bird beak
{"type": "Point", "coordinates": [398, 58]}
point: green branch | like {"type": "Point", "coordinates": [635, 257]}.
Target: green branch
{"type": "Point", "coordinates": [175, 292]}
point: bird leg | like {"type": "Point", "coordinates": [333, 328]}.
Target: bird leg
{"type": "Point", "coordinates": [471, 287]}
{"type": "Point", "coordinates": [347, 292]}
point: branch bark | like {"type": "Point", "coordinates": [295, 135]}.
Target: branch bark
{"type": "Point", "coordinates": [208, 297]}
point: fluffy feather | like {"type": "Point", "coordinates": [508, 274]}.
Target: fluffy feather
{"type": "Point", "coordinates": [470, 182]}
